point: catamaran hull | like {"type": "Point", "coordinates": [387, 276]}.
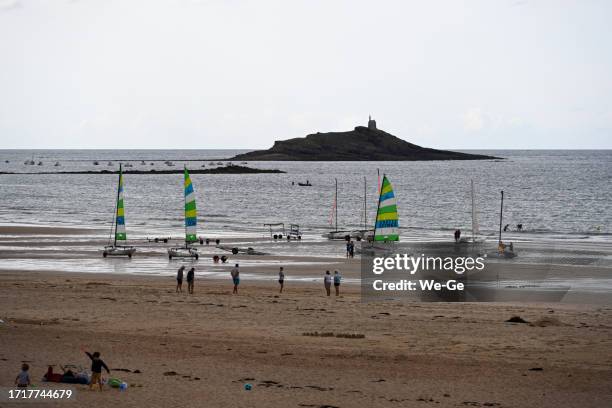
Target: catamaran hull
{"type": "Point", "coordinates": [183, 253]}
{"type": "Point", "coordinates": [355, 234]}
{"type": "Point", "coordinates": [118, 251]}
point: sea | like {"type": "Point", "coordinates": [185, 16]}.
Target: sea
{"type": "Point", "coordinates": [562, 198]}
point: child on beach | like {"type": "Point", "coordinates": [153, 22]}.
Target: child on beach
{"type": "Point", "coordinates": [327, 279]}
{"type": "Point", "coordinates": [23, 378]}
{"type": "Point", "coordinates": [337, 279]}
{"type": "Point", "coordinates": [179, 279]}
{"type": "Point", "coordinates": [190, 279]}
{"type": "Point", "coordinates": [281, 279]}
{"type": "Point", "coordinates": [96, 369]}
{"type": "Point", "coordinates": [235, 278]}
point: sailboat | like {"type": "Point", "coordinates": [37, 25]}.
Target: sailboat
{"type": "Point", "coordinates": [347, 234]}
{"type": "Point", "coordinates": [507, 251]}
{"type": "Point", "coordinates": [191, 220]}
{"type": "Point", "coordinates": [119, 226]}
{"type": "Point", "coordinates": [386, 226]}
{"type": "Point", "coordinates": [475, 226]}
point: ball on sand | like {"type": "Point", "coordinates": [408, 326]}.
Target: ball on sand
{"type": "Point", "coordinates": [123, 386]}
{"type": "Point", "coordinates": [248, 386]}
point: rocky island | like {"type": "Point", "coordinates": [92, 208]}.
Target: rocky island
{"type": "Point", "coordinates": [361, 144]}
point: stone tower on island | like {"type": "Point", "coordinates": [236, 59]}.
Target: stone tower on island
{"type": "Point", "coordinates": [371, 123]}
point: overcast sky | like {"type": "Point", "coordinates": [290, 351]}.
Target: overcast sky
{"type": "Point", "coordinates": [241, 74]}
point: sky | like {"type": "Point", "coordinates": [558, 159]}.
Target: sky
{"type": "Point", "coordinates": [493, 74]}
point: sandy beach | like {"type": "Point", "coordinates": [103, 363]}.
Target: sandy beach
{"type": "Point", "coordinates": [200, 350]}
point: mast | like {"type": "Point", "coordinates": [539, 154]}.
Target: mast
{"type": "Point", "coordinates": [336, 204]}
{"type": "Point", "coordinates": [116, 203]}
{"type": "Point", "coordinates": [365, 203]}
{"type": "Point", "coordinates": [473, 223]}
{"type": "Point", "coordinates": [377, 208]}
{"type": "Point", "coordinates": [501, 213]}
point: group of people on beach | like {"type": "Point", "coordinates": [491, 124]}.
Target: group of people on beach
{"type": "Point", "coordinates": [97, 364]}
{"type": "Point", "coordinates": [235, 274]}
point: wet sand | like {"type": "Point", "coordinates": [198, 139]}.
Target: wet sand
{"type": "Point", "coordinates": [200, 350]}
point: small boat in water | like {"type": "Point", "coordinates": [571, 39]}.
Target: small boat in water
{"type": "Point", "coordinates": [119, 227]}
{"type": "Point", "coordinates": [306, 184]}
{"type": "Point", "coordinates": [191, 221]}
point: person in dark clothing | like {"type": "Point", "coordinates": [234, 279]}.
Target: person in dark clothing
{"type": "Point", "coordinates": [506, 227]}
{"type": "Point", "coordinates": [457, 235]}
{"type": "Point", "coordinates": [519, 227]}
{"type": "Point", "coordinates": [190, 279]}
{"type": "Point", "coordinates": [179, 279]}
{"type": "Point", "coordinates": [96, 369]}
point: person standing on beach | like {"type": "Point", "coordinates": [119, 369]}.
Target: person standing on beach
{"type": "Point", "coordinates": [190, 280]}
{"type": "Point", "coordinates": [281, 279]}
{"type": "Point", "coordinates": [337, 279]}
{"type": "Point", "coordinates": [96, 369]}
{"type": "Point", "coordinates": [179, 279]}
{"type": "Point", "coordinates": [348, 248]}
{"type": "Point", "coordinates": [235, 278]}
{"type": "Point", "coordinates": [327, 279]}
{"type": "Point", "coordinates": [352, 249]}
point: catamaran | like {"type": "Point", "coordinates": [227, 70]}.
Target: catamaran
{"type": "Point", "coordinates": [119, 226]}
{"type": "Point", "coordinates": [386, 226]}
{"type": "Point", "coordinates": [348, 234]}
{"type": "Point", "coordinates": [191, 220]}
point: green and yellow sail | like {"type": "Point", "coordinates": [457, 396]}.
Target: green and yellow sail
{"type": "Point", "coordinates": [386, 227]}
{"type": "Point", "coordinates": [191, 216]}
{"type": "Point", "coordinates": [120, 234]}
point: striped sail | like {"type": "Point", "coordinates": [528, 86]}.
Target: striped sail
{"type": "Point", "coordinates": [120, 216]}
{"type": "Point", "coordinates": [387, 219]}
{"type": "Point", "coordinates": [191, 217]}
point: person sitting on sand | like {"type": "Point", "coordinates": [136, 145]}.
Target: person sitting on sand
{"type": "Point", "coordinates": [96, 369]}
{"type": "Point", "coordinates": [327, 279]}
{"type": "Point", "coordinates": [190, 279]}
{"type": "Point", "coordinates": [179, 279]}
{"type": "Point", "coordinates": [337, 279]}
{"type": "Point", "coordinates": [23, 378]}
{"type": "Point", "coordinates": [281, 279]}
{"type": "Point", "coordinates": [235, 278]}
{"type": "Point", "coordinates": [223, 258]}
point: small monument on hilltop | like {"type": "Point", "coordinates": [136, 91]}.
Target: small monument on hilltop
{"type": "Point", "coordinates": [371, 123]}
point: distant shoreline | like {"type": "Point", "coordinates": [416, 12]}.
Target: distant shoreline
{"type": "Point", "coordinates": [216, 170]}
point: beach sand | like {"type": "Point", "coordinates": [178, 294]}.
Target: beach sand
{"type": "Point", "coordinates": [200, 350]}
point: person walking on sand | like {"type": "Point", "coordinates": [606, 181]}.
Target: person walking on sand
{"type": "Point", "coordinates": [96, 369]}
{"type": "Point", "coordinates": [281, 279]}
{"type": "Point", "coordinates": [337, 279]}
{"type": "Point", "coordinates": [235, 278]}
{"type": "Point", "coordinates": [179, 279]}
{"type": "Point", "coordinates": [23, 378]}
{"type": "Point", "coordinates": [190, 280]}
{"type": "Point", "coordinates": [327, 279]}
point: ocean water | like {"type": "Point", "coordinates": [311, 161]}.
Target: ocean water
{"type": "Point", "coordinates": [556, 195]}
